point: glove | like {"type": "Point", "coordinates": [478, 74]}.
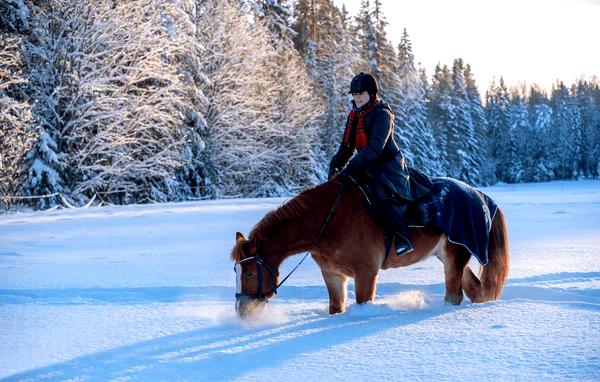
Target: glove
{"type": "Point", "coordinates": [332, 172]}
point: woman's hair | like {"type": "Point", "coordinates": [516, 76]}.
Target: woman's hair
{"type": "Point", "coordinates": [364, 82]}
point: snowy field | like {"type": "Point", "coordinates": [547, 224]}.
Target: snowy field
{"type": "Point", "coordinates": [146, 293]}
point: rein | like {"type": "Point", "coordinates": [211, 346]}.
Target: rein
{"type": "Point", "coordinates": [261, 263]}
{"type": "Point", "coordinates": [316, 239]}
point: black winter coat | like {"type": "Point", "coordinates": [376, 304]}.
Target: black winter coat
{"type": "Point", "coordinates": [380, 165]}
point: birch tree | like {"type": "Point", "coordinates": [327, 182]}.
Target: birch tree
{"type": "Point", "coordinates": [135, 122]}
{"type": "Point", "coordinates": [239, 111]}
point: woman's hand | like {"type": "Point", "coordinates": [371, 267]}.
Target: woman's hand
{"type": "Point", "coordinates": [332, 172]}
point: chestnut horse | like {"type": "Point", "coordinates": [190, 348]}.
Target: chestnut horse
{"type": "Point", "coordinates": [330, 221]}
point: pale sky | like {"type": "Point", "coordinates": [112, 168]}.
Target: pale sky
{"type": "Point", "coordinates": [522, 40]}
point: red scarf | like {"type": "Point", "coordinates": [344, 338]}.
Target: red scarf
{"type": "Point", "coordinates": [360, 137]}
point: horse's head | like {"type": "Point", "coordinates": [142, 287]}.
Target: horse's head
{"type": "Point", "coordinates": [256, 281]}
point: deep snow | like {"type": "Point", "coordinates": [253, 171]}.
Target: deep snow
{"type": "Point", "coordinates": [146, 293]}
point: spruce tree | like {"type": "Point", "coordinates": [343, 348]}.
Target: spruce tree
{"type": "Point", "coordinates": [387, 67]}
{"type": "Point", "coordinates": [276, 15]}
{"type": "Point", "coordinates": [479, 120]}
{"type": "Point", "coordinates": [502, 147]}
{"type": "Point", "coordinates": [590, 114]}
{"type": "Point", "coordinates": [331, 61]}
{"type": "Point", "coordinates": [335, 62]}
{"type": "Point", "coordinates": [461, 143]}
{"type": "Point", "coordinates": [540, 114]}
{"type": "Point", "coordinates": [567, 129]}
{"type": "Point", "coordinates": [52, 67]}
{"type": "Point", "coordinates": [412, 119]}
{"type": "Point", "coordinates": [441, 112]}
{"type": "Point", "coordinates": [520, 130]}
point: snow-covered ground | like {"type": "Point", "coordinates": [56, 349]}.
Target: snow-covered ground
{"type": "Point", "coordinates": [146, 293]}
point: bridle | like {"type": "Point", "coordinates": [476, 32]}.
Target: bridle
{"type": "Point", "coordinates": [261, 264]}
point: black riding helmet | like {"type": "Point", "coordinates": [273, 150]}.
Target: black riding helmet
{"type": "Point", "coordinates": [364, 82]}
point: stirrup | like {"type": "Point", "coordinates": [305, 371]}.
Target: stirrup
{"type": "Point", "coordinates": [402, 249]}
{"type": "Point", "coordinates": [403, 246]}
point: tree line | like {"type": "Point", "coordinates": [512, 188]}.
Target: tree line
{"type": "Point", "coordinates": [150, 101]}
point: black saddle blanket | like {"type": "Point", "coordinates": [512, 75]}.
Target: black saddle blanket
{"type": "Point", "coordinates": [463, 213]}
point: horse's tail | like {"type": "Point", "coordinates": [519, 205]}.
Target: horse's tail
{"type": "Point", "coordinates": [491, 280]}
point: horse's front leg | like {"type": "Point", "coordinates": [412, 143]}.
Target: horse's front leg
{"type": "Point", "coordinates": [337, 286]}
{"type": "Point", "coordinates": [365, 284]}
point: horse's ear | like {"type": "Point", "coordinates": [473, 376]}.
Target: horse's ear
{"type": "Point", "coordinates": [239, 237]}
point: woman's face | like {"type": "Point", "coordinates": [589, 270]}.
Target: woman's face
{"type": "Point", "coordinates": [361, 99]}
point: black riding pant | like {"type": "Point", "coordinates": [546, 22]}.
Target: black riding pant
{"type": "Point", "coordinates": [392, 213]}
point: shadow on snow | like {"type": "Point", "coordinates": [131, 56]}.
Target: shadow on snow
{"type": "Point", "coordinates": [232, 349]}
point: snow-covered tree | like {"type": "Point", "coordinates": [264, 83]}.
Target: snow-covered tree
{"type": "Point", "coordinates": [15, 116]}
{"type": "Point", "coordinates": [15, 141]}
{"type": "Point", "coordinates": [520, 131]}
{"type": "Point", "coordinates": [502, 145]}
{"type": "Point", "coordinates": [387, 67]}
{"type": "Point", "coordinates": [296, 107]}
{"type": "Point", "coordinates": [142, 151]}
{"type": "Point", "coordinates": [192, 175]}
{"type": "Point", "coordinates": [243, 120]}
{"type": "Point", "coordinates": [14, 16]}
{"type": "Point", "coordinates": [295, 117]}
{"type": "Point", "coordinates": [412, 117]}
{"type": "Point", "coordinates": [332, 59]}
{"type": "Point", "coordinates": [441, 111]}
{"type": "Point", "coordinates": [337, 56]}
{"type": "Point", "coordinates": [16, 138]}
{"type": "Point", "coordinates": [479, 121]}
{"type": "Point", "coordinates": [540, 116]}
{"type": "Point", "coordinates": [461, 144]}
{"type": "Point", "coordinates": [123, 131]}
{"type": "Point", "coordinates": [590, 114]}
{"type": "Point", "coordinates": [52, 64]}
{"type": "Point", "coordinates": [276, 15]}
{"type": "Point", "coordinates": [370, 51]}
{"type": "Point", "coordinates": [567, 128]}
{"type": "Point", "coordinates": [304, 14]}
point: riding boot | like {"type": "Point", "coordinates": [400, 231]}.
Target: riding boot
{"type": "Point", "coordinates": [394, 217]}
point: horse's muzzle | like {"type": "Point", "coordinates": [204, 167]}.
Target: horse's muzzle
{"type": "Point", "coordinates": [247, 305]}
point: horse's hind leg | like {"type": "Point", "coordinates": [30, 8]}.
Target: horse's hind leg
{"type": "Point", "coordinates": [455, 259]}
{"type": "Point", "coordinates": [337, 288]}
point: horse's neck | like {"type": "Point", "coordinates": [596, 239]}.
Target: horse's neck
{"type": "Point", "coordinates": [300, 234]}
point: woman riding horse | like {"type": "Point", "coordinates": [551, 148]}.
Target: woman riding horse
{"type": "Point", "coordinates": [379, 166]}
{"type": "Point", "coordinates": [330, 222]}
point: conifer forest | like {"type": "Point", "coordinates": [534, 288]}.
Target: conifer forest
{"type": "Point", "coordinates": [136, 101]}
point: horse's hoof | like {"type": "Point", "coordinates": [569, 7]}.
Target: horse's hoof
{"type": "Point", "coordinates": [453, 299]}
{"type": "Point", "coordinates": [335, 310]}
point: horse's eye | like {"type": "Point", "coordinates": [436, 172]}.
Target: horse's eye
{"type": "Point", "coordinates": [248, 274]}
